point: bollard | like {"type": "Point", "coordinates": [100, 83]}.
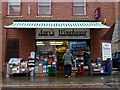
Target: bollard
{"type": "Point", "coordinates": [32, 73]}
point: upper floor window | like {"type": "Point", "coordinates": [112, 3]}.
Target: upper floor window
{"type": "Point", "coordinates": [44, 7]}
{"type": "Point", "coordinates": [79, 7]}
{"type": "Point", "coordinates": [14, 7]}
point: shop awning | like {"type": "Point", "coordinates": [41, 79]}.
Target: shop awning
{"type": "Point", "coordinates": [108, 35]}
{"type": "Point", "coordinates": [56, 25]}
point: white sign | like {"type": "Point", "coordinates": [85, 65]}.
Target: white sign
{"type": "Point", "coordinates": [32, 55]}
{"type": "Point", "coordinates": [62, 33]}
{"type": "Point", "coordinates": [106, 51]}
{"type": "Point", "coordinates": [15, 61]}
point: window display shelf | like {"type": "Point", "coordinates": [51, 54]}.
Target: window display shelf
{"type": "Point", "coordinates": [17, 66]}
{"type": "Point", "coordinates": [46, 59]}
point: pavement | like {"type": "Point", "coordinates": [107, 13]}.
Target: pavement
{"type": "Point", "coordinates": [51, 82]}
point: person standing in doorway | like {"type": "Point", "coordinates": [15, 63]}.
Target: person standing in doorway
{"type": "Point", "coordinates": [68, 60]}
{"type": "Point", "coordinates": [88, 61]}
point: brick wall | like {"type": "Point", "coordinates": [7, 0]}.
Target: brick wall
{"type": "Point", "coordinates": [26, 41]}
{"type": "Point", "coordinates": [108, 12]}
{"type": "Point", "coordinates": [117, 9]}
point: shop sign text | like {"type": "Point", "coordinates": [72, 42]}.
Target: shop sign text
{"type": "Point", "coordinates": [63, 33]}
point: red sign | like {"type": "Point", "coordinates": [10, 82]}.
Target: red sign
{"type": "Point", "coordinates": [97, 13]}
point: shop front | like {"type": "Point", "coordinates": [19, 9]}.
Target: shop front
{"type": "Point", "coordinates": [51, 44]}
{"type": "Point", "coordinates": [53, 38]}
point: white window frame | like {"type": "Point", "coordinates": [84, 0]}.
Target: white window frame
{"type": "Point", "coordinates": [10, 3]}
{"type": "Point", "coordinates": [42, 5]}
{"type": "Point", "coordinates": [79, 6]}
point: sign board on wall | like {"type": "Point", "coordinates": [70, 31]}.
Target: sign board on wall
{"type": "Point", "coordinates": [106, 51]}
{"type": "Point", "coordinates": [97, 13]}
{"type": "Point", "coordinates": [62, 33]}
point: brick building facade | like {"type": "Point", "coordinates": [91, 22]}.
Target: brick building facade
{"type": "Point", "coordinates": [59, 11]}
{"type": "Point", "coordinates": [1, 36]}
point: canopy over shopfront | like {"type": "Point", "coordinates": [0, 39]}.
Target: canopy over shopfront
{"type": "Point", "coordinates": [109, 34]}
{"type": "Point", "coordinates": [55, 24]}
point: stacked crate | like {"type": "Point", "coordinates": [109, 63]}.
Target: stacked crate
{"type": "Point", "coordinates": [44, 66]}
{"type": "Point", "coordinates": [40, 69]}
{"type": "Point", "coordinates": [51, 71]}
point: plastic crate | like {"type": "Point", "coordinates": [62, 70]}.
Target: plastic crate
{"type": "Point", "coordinates": [51, 71]}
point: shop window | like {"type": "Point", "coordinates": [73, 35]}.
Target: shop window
{"type": "Point", "coordinates": [12, 49]}
{"type": "Point", "coordinates": [14, 7]}
{"type": "Point", "coordinates": [49, 56]}
{"type": "Point", "coordinates": [79, 7]}
{"type": "Point", "coordinates": [44, 7]}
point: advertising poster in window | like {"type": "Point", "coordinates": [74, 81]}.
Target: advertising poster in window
{"type": "Point", "coordinates": [106, 51]}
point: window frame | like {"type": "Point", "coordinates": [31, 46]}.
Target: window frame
{"type": "Point", "coordinates": [50, 9]}
{"type": "Point", "coordinates": [8, 9]}
{"type": "Point", "coordinates": [85, 8]}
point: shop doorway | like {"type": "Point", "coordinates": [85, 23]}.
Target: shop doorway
{"type": "Point", "coordinates": [49, 53]}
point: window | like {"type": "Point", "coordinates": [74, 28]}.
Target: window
{"type": "Point", "coordinates": [14, 7]}
{"type": "Point", "coordinates": [44, 7]}
{"type": "Point", "coordinates": [79, 7]}
{"type": "Point", "coordinates": [12, 48]}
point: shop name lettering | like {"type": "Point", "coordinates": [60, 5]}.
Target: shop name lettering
{"type": "Point", "coordinates": [46, 33]}
{"type": "Point", "coordinates": [62, 33]}
{"type": "Point", "coordinates": [72, 33]}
